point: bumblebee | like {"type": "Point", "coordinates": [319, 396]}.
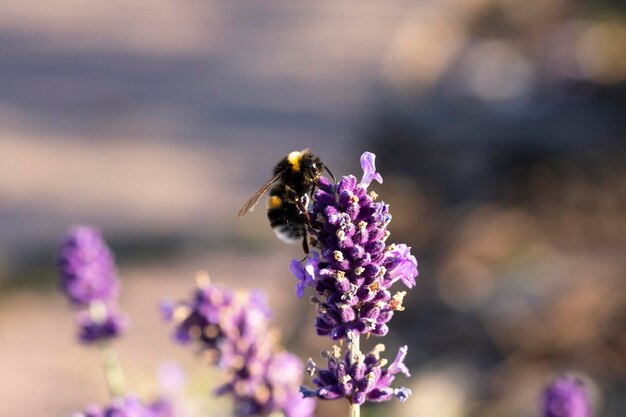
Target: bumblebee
{"type": "Point", "coordinates": [290, 189]}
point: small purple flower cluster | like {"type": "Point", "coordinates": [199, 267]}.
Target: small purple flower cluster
{"type": "Point", "coordinates": [360, 378]}
{"type": "Point", "coordinates": [233, 328]}
{"type": "Point", "coordinates": [89, 279]}
{"type": "Point", "coordinates": [566, 396]}
{"type": "Point", "coordinates": [129, 406]}
{"type": "Point", "coordinates": [352, 273]}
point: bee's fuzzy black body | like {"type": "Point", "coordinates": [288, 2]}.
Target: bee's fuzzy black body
{"type": "Point", "coordinates": [286, 218]}
{"type": "Point", "coordinates": [295, 177]}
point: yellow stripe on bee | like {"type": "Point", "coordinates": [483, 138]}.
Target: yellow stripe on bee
{"type": "Point", "coordinates": [294, 159]}
{"type": "Point", "coordinates": [274, 202]}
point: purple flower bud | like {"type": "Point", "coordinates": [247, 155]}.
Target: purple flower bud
{"type": "Point", "coordinates": [380, 329]}
{"type": "Point", "coordinates": [359, 398]}
{"type": "Point", "coordinates": [566, 397]}
{"type": "Point", "coordinates": [370, 311]}
{"type": "Point", "coordinates": [86, 267]}
{"type": "Point", "coordinates": [380, 394]}
{"type": "Point", "coordinates": [346, 313]}
{"type": "Point", "coordinates": [346, 184]}
{"type": "Point", "coordinates": [100, 322]}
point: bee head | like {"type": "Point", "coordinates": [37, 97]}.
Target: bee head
{"type": "Point", "coordinates": [311, 166]}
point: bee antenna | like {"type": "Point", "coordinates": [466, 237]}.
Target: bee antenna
{"type": "Point", "coordinates": [330, 173]}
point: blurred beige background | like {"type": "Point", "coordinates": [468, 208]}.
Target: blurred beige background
{"type": "Point", "coordinates": [500, 134]}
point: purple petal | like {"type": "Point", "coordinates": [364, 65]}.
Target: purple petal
{"type": "Point", "coordinates": [300, 290]}
{"type": "Point", "coordinates": [566, 397]}
{"type": "Point", "coordinates": [311, 266]}
{"type": "Point", "coordinates": [402, 393]}
{"type": "Point", "coordinates": [167, 307]}
{"type": "Point", "coordinates": [380, 394]}
{"type": "Point", "coordinates": [308, 393]}
{"type": "Point", "coordinates": [398, 363]}
{"type": "Point", "coordinates": [160, 408]}
{"type": "Point", "coordinates": [305, 274]}
{"type": "Point", "coordinates": [299, 407]}
{"type": "Point", "coordinates": [297, 270]}
{"type": "Point", "coordinates": [369, 170]}
{"type": "Point", "coordinates": [404, 265]}
{"type": "Point", "coordinates": [330, 393]}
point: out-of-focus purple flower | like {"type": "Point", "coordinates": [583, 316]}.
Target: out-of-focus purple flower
{"type": "Point", "coordinates": [87, 267]}
{"type": "Point", "coordinates": [354, 267]}
{"type": "Point", "coordinates": [368, 164]}
{"type": "Point", "coordinates": [161, 407]}
{"type": "Point", "coordinates": [297, 406]}
{"type": "Point", "coordinates": [358, 379]}
{"type": "Point", "coordinates": [233, 328]}
{"type": "Point", "coordinates": [129, 406]}
{"type": "Point", "coordinates": [285, 371]}
{"type": "Point", "coordinates": [89, 279]}
{"type": "Point", "coordinates": [305, 274]}
{"type": "Point", "coordinates": [566, 396]}
{"type": "Point", "coordinates": [171, 377]}
{"type": "Point", "coordinates": [167, 309]}
{"type": "Point", "coordinates": [100, 322]}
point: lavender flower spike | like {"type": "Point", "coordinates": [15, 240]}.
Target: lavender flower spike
{"type": "Point", "coordinates": [566, 397]}
{"type": "Point", "coordinates": [352, 269]}
{"type": "Point", "coordinates": [353, 266]}
{"type": "Point", "coordinates": [87, 267]}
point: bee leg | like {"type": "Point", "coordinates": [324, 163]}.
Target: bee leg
{"type": "Point", "coordinates": [303, 204]}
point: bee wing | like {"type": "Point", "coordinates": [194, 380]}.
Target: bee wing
{"type": "Point", "coordinates": [249, 205]}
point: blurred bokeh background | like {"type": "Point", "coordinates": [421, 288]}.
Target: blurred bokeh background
{"type": "Point", "coordinates": [500, 130]}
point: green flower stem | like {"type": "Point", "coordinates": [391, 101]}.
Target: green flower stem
{"type": "Point", "coordinates": [355, 351]}
{"type": "Point", "coordinates": [113, 374]}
